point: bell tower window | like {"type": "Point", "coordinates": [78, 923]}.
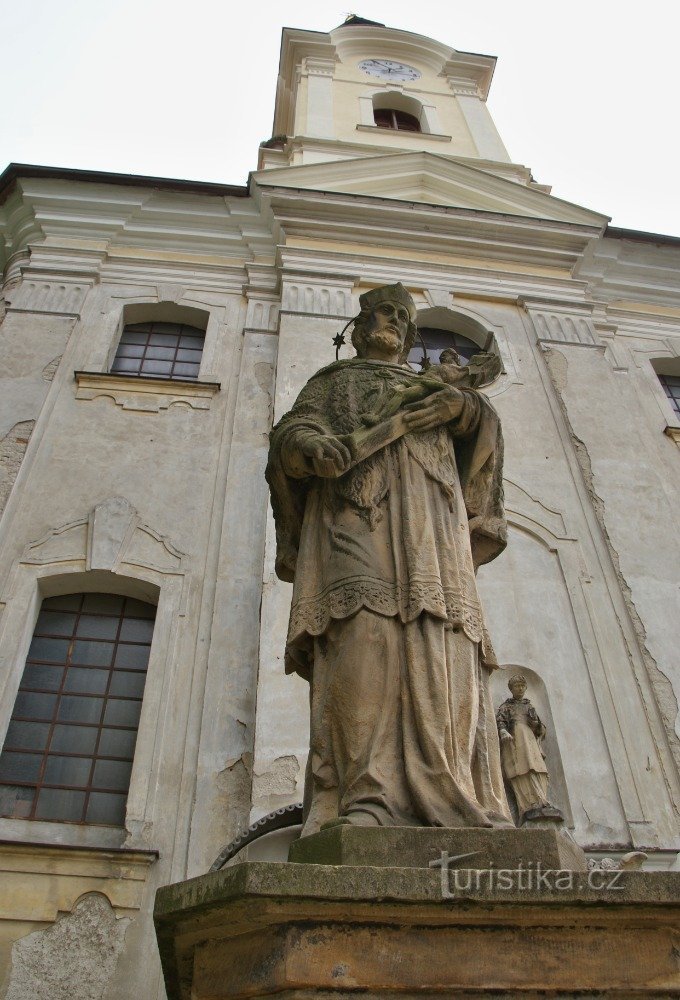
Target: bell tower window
{"type": "Point", "coordinates": [398, 120]}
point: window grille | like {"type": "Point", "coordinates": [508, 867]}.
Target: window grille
{"type": "Point", "coordinates": [70, 743]}
{"type": "Point", "coordinates": [400, 120]}
{"type": "Point", "coordinates": [160, 350]}
{"type": "Point", "coordinates": [671, 384]}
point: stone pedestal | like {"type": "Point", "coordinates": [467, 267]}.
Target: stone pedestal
{"type": "Point", "coordinates": [418, 847]}
{"type": "Point", "coordinates": [329, 932]}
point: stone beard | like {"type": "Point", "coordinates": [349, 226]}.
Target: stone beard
{"type": "Point", "coordinates": [386, 622]}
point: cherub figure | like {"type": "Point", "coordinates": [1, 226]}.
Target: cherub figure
{"type": "Point", "coordinates": [481, 369]}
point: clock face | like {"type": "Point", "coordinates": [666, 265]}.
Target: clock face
{"type": "Point", "coordinates": [388, 69]}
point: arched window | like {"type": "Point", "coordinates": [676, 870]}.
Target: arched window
{"type": "Point", "coordinates": [401, 112]}
{"type": "Point", "coordinates": [400, 120]}
{"type": "Point", "coordinates": [70, 743]}
{"type": "Point", "coordinates": [159, 350]}
{"type": "Point", "coordinates": [436, 341]}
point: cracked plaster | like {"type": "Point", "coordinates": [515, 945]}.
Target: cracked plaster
{"type": "Point", "coordinates": [73, 959]}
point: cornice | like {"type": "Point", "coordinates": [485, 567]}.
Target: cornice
{"type": "Point", "coordinates": [636, 322]}
{"type": "Point", "coordinates": [343, 150]}
{"type": "Point", "coordinates": [631, 269]}
{"type": "Point", "coordinates": [451, 181]}
{"type": "Point", "coordinates": [14, 171]}
{"type": "Point", "coordinates": [128, 265]}
{"type": "Point", "coordinates": [45, 209]}
{"type": "Point", "coordinates": [469, 74]}
{"type": "Point", "coordinates": [354, 41]}
{"type": "Point", "coordinates": [364, 219]}
{"type": "Point", "coordinates": [494, 284]}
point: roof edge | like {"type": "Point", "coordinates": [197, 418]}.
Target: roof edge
{"type": "Point", "coordinates": [640, 236]}
{"type": "Point", "coordinates": [15, 171]}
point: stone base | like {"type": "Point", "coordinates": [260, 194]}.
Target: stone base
{"type": "Point", "coordinates": [316, 932]}
{"type": "Point", "coordinates": [418, 847]}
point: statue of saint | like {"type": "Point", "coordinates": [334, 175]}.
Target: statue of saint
{"type": "Point", "coordinates": [522, 733]}
{"type": "Point", "coordinates": [387, 494]}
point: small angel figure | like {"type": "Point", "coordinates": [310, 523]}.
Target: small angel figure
{"type": "Point", "coordinates": [521, 734]}
{"type": "Point", "coordinates": [481, 369]}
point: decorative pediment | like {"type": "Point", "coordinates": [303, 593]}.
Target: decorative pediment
{"type": "Point", "coordinates": [431, 179]}
{"type": "Point", "coordinates": [113, 537]}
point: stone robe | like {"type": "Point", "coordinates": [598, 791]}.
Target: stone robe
{"type": "Point", "coordinates": [522, 759]}
{"type": "Point", "coordinates": [386, 621]}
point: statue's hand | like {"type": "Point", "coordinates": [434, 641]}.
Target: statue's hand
{"type": "Point", "coordinates": [329, 456]}
{"type": "Point", "coordinates": [505, 736]}
{"type": "Point", "coordinates": [433, 411]}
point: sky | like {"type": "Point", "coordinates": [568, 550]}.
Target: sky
{"type": "Point", "coordinates": [585, 93]}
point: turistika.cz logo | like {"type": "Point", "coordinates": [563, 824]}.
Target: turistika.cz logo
{"type": "Point", "coordinates": [529, 877]}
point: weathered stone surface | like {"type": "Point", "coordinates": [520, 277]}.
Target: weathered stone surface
{"type": "Point", "coordinates": [322, 931]}
{"type": "Point", "coordinates": [71, 960]}
{"type": "Point", "coordinates": [12, 449]}
{"type": "Point", "coordinates": [416, 847]}
{"type": "Point", "coordinates": [386, 490]}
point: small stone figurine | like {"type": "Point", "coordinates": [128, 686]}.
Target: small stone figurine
{"type": "Point", "coordinates": [479, 371]}
{"type": "Point", "coordinates": [521, 734]}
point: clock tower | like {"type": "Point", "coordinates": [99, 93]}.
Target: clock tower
{"type": "Point", "coordinates": [367, 90]}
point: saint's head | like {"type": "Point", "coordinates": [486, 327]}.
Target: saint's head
{"type": "Point", "coordinates": [518, 686]}
{"type": "Point", "coordinates": [385, 328]}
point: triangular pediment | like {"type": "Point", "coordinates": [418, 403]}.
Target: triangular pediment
{"type": "Point", "coordinates": [431, 179]}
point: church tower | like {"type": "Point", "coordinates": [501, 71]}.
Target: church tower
{"type": "Point", "coordinates": [365, 90]}
{"type": "Point", "coordinates": [413, 108]}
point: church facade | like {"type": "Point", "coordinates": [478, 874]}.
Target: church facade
{"type": "Point", "coordinates": [152, 331]}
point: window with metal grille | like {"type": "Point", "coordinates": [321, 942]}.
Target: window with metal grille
{"type": "Point", "coordinates": [437, 341]}
{"type": "Point", "coordinates": [671, 384]}
{"type": "Point", "coordinates": [160, 350]}
{"type": "Point", "coordinates": [401, 120]}
{"type": "Point", "coordinates": [70, 743]}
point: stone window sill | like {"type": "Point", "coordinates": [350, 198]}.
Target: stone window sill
{"type": "Point", "coordinates": [37, 835]}
{"type": "Point", "coordinates": [133, 392]}
{"type": "Point", "coordinates": [673, 432]}
{"type": "Point", "coordinates": [128, 856]}
{"type": "Point", "coordinates": [402, 132]}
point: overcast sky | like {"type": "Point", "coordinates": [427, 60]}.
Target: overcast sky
{"type": "Point", "coordinates": [584, 93]}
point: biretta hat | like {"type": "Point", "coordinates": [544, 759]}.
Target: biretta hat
{"type": "Point", "coordinates": [388, 293]}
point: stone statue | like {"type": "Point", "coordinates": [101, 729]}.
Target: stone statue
{"type": "Point", "coordinates": [386, 488]}
{"type": "Point", "coordinates": [522, 733]}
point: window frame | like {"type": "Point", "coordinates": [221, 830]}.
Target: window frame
{"type": "Point", "coordinates": [181, 330]}
{"type": "Point", "coordinates": [394, 126]}
{"type": "Point", "coordinates": [202, 316]}
{"type": "Point", "coordinates": [36, 578]}
{"type": "Point", "coordinates": [127, 613]}
{"type": "Point", "coordinates": [672, 398]}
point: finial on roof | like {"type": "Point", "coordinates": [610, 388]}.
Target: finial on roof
{"type": "Point", "coordinates": [352, 19]}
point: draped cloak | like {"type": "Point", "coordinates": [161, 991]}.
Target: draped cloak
{"type": "Point", "coordinates": [399, 536]}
